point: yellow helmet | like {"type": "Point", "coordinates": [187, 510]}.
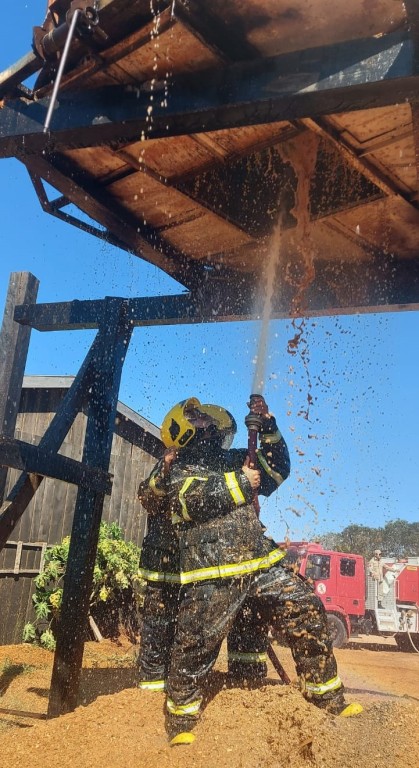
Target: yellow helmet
{"type": "Point", "coordinates": [181, 423]}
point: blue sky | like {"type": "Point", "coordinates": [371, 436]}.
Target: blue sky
{"type": "Point", "coordinates": [354, 455]}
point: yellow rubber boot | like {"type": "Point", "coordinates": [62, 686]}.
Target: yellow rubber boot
{"type": "Point", "coordinates": [351, 710]}
{"type": "Point", "coordinates": [182, 738]}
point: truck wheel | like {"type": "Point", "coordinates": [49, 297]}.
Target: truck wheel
{"type": "Point", "coordinates": [337, 630]}
{"type": "Point", "coordinates": [404, 644]}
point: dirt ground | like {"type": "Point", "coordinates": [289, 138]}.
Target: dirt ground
{"type": "Point", "coordinates": [118, 725]}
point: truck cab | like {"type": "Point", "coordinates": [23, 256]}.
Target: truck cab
{"type": "Point", "coordinates": [338, 579]}
{"type": "Point", "coordinates": [350, 595]}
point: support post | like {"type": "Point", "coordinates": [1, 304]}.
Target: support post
{"type": "Point", "coordinates": [113, 339]}
{"type": "Point", "coordinates": [28, 483]}
{"type": "Point", "coordinates": [14, 343]}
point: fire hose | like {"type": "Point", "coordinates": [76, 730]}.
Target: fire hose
{"type": "Point", "coordinates": [254, 424]}
{"type": "Point", "coordinates": [411, 642]}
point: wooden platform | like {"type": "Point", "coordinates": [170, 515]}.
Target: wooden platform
{"type": "Point", "coordinates": [188, 134]}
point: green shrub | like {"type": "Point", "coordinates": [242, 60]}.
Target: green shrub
{"type": "Point", "coordinates": [115, 576]}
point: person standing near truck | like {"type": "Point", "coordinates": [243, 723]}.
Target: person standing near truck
{"type": "Point", "coordinates": [377, 569]}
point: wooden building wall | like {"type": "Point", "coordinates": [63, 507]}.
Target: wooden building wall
{"type": "Point", "coordinates": [49, 516]}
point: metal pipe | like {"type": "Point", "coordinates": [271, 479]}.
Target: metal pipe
{"type": "Point", "coordinates": [53, 41]}
{"type": "Point", "coordinates": [60, 72]}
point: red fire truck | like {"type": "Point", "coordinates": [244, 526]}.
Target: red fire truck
{"type": "Point", "coordinates": [350, 595]}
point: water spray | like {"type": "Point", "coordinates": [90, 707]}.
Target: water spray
{"type": "Point", "coordinates": [253, 421]}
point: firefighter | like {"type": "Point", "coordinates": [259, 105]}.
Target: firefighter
{"type": "Point", "coordinates": [159, 566]}
{"type": "Point", "coordinates": [227, 562]}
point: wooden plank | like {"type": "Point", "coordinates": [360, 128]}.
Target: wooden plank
{"type": "Point", "coordinates": [64, 520]}
{"type": "Point", "coordinates": [27, 484]}
{"type": "Point", "coordinates": [7, 588]}
{"type": "Point", "coordinates": [45, 509]}
{"type": "Point", "coordinates": [16, 503]}
{"type": "Point", "coordinates": [386, 136]}
{"type": "Point", "coordinates": [17, 606]}
{"type": "Point", "coordinates": [341, 77]}
{"type": "Point", "coordinates": [147, 311]}
{"type": "Point", "coordinates": [11, 77]}
{"type": "Point", "coordinates": [29, 522]}
{"type": "Point", "coordinates": [31, 549]}
{"type": "Point", "coordinates": [28, 610]}
{"type": "Point", "coordinates": [122, 509]}
{"type": "Point", "coordinates": [412, 12]}
{"type": "Point", "coordinates": [143, 465]}
{"type": "Point", "coordinates": [16, 590]}
{"type": "Point", "coordinates": [18, 557]}
{"type": "Point", "coordinates": [127, 501]}
{"type": "Point", "coordinates": [273, 26]}
{"type": "Point", "coordinates": [176, 45]}
{"type": "Point", "coordinates": [363, 165]}
{"type": "Point", "coordinates": [235, 300]}
{"type": "Point", "coordinates": [24, 589]}
{"type": "Point", "coordinates": [49, 511]}
{"type": "Point", "coordinates": [14, 343]}
{"type": "Point", "coordinates": [133, 235]}
{"type": "Point", "coordinates": [3, 557]}
{"type": "Point", "coordinates": [73, 445]}
{"type": "Point", "coordinates": [32, 458]}
{"type": "Point", "coordinates": [42, 559]}
{"type": "Point", "coordinates": [23, 572]}
{"type": "Point", "coordinates": [40, 501]}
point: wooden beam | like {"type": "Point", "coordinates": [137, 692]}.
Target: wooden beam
{"type": "Point", "coordinates": [227, 41]}
{"type": "Point", "coordinates": [113, 341]}
{"type": "Point", "coordinates": [140, 239]}
{"type": "Point", "coordinates": [338, 288]}
{"type": "Point", "coordinates": [11, 77]}
{"type": "Point", "coordinates": [26, 486]}
{"type": "Point", "coordinates": [14, 343]}
{"type": "Point", "coordinates": [343, 77]}
{"type": "Point", "coordinates": [32, 458]}
{"type": "Point", "coordinates": [211, 306]}
{"type": "Point", "coordinates": [53, 207]}
{"type": "Point", "coordinates": [322, 127]}
{"type": "Point", "coordinates": [412, 13]}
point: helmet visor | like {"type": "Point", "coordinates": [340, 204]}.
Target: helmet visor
{"type": "Point", "coordinates": [224, 421]}
{"type": "Point", "coordinates": [198, 416]}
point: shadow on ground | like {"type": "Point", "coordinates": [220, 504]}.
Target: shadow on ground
{"type": "Point", "coordinates": [102, 682]}
{"type": "Point", "coordinates": [9, 673]}
{"type": "Point", "coordinates": [369, 645]}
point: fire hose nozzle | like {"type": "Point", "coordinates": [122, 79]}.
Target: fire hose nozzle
{"type": "Point", "coordinates": [253, 420]}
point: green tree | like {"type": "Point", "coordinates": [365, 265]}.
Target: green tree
{"type": "Point", "coordinates": [398, 538]}
{"type": "Point", "coordinates": [115, 577]}
{"type": "Point", "coordinates": [359, 539]}
{"type": "Point", "coordinates": [401, 539]}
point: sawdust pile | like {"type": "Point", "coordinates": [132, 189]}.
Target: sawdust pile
{"type": "Point", "coordinates": [271, 727]}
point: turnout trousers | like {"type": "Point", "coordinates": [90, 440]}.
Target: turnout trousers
{"type": "Point", "coordinates": [247, 641]}
{"type": "Point", "coordinates": [207, 611]}
{"type": "Point", "coordinates": [158, 627]}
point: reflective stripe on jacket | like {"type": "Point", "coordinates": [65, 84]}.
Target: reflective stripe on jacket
{"type": "Point", "coordinates": [209, 501]}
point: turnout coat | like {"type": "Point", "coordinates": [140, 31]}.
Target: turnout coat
{"type": "Point", "coordinates": [202, 520]}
